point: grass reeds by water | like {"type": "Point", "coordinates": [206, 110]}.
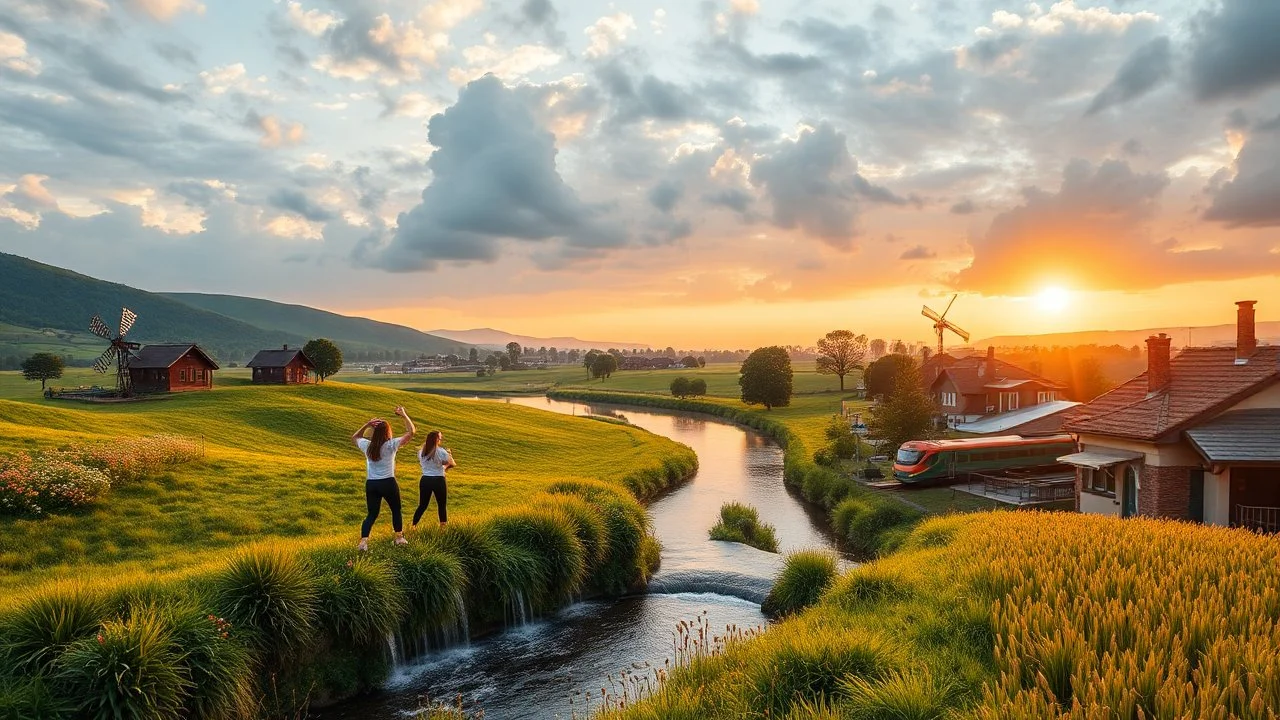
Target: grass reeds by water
{"type": "Point", "coordinates": [741, 524]}
{"type": "Point", "coordinates": [805, 576]}
{"type": "Point", "coordinates": [1017, 615]}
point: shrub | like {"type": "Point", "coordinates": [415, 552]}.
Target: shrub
{"type": "Point", "coordinates": [358, 599]}
{"type": "Point", "coordinates": [37, 485]}
{"type": "Point", "coordinates": [132, 668]}
{"type": "Point", "coordinates": [551, 538]}
{"type": "Point", "coordinates": [697, 387]}
{"type": "Point", "coordinates": [741, 524]}
{"type": "Point", "coordinates": [865, 523]}
{"type": "Point", "coordinates": [270, 594]}
{"type": "Point", "coordinates": [219, 665]}
{"type": "Point", "coordinates": [870, 584]}
{"type": "Point", "coordinates": [36, 631]}
{"type": "Point", "coordinates": [805, 576]}
{"type": "Point", "coordinates": [680, 387]}
{"type": "Point", "coordinates": [898, 696]}
{"type": "Point", "coordinates": [809, 663]}
{"type": "Point", "coordinates": [129, 459]}
{"type": "Point", "coordinates": [433, 581]}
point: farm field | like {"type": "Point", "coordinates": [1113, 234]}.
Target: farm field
{"type": "Point", "coordinates": [1013, 615]}
{"type": "Point", "coordinates": [278, 464]}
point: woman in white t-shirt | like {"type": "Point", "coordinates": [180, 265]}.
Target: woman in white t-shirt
{"type": "Point", "coordinates": [380, 473]}
{"type": "Point", "coordinates": [434, 460]}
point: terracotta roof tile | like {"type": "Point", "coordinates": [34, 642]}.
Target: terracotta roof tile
{"type": "Point", "coordinates": [1202, 380]}
{"type": "Point", "coordinates": [966, 376]}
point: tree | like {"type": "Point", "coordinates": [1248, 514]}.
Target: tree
{"type": "Point", "coordinates": [878, 348]}
{"type": "Point", "coordinates": [43, 367]}
{"type": "Point", "coordinates": [604, 365]}
{"type": "Point", "coordinates": [325, 356]}
{"type": "Point", "coordinates": [899, 347]}
{"type": "Point", "coordinates": [926, 352]}
{"type": "Point", "coordinates": [766, 378]}
{"type": "Point", "coordinates": [505, 362]}
{"type": "Point", "coordinates": [840, 353]}
{"type": "Point", "coordinates": [514, 351]}
{"type": "Point", "coordinates": [473, 356]}
{"type": "Point", "coordinates": [1090, 382]}
{"type": "Point", "coordinates": [680, 387]}
{"type": "Point", "coordinates": [882, 374]}
{"type": "Point", "coordinates": [589, 361]}
{"type": "Point", "coordinates": [906, 414]}
{"type": "Point", "coordinates": [689, 361]}
{"type": "Point", "coordinates": [697, 387]}
{"type": "Point", "coordinates": [702, 362]}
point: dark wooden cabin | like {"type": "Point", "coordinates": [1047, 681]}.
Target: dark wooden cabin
{"type": "Point", "coordinates": [171, 368]}
{"type": "Point", "coordinates": [281, 367]}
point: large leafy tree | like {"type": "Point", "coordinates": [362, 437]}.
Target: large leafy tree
{"type": "Point", "coordinates": [43, 367]}
{"type": "Point", "coordinates": [766, 378]}
{"type": "Point", "coordinates": [882, 374]}
{"type": "Point", "coordinates": [841, 353]}
{"type": "Point", "coordinates": [589, 361]}
{"type": "Point", "coordinates": [514, 351]}
{"type": "Point", "coordinates": [907, 413]}
{"type": "Point", "coordinates": [326, 356]}
{"type": "Point", "coordinates": [604, 365]}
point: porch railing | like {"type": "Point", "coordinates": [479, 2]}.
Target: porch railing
{"type": "Point", "coordinates": [1258, 518]}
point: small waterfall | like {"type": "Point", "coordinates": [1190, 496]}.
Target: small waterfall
{"type": "Point", "coordinates": [393, 644]}
{"type": "Point", "coordinates": [519, 611]}
{"type": "Point", "coordinates": [405, 648]}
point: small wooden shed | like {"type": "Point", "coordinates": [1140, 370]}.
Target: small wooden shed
{"type": "Point", "coordinates": [171, 368]}
{"type": "Point", "coordinates": [281, 367]}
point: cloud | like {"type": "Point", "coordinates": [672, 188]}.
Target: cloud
{"type": "Point", "coordinates": [165, 10]}
{"type": "Point", "coordinates": [1065, 14]}
{"type": "Point", "coordinates": [411, 105]}
{"type": "Point", "coordinates": [233, 78]}
{"type": "Point", "coordinates": [297, 202]}
{"type": "Point", "coordinates": [645, 97]}
{"type": "Point", "coordinates": [363, 45]}
{"type": "Point", "coordinates": [175, 53]}
{"type": "Point", "coordinates": [665, 195]}
{"type": "Point", "coordinates": [1252, 197]}
{"type": "Point", "coordinates": [1147, 67]}
{"type": "Point", "coordinates": [14, 55]}
{"type": "Point", "coordinates": [494, 178]}
{"type": "Point", "coordinates": [275, 132]}
{"type": "Point", "coordinates": [919, 252]}
{"type": "Point", "coordinates": [25, 201]}
{"type": "Point", "coordinates": [1234, 52]}
{"type": "Point", "coordinates": [313, 22]}
{"type": "Point", "coordinates": [110, 74]}
{"type": "Point", "coordinates": [543, 15]}
{"type": "Point", "coordinates": [511, 65]}
{"type": "Point", "coordinates": [292, 227]}
{"type": "Point", "coordinates": [964, 207]}
{"type": "Point", "coordinates": [170, 216]}
{"type": "Point", "coordinates": [814, 185]}
{"type": "Point", "coordinates": [608, 33]}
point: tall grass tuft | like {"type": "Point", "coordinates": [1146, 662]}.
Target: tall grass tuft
{"type": "Point", "coordinates": [628, 562]}
{"type": "Point", "coordinates": [358, 598]}
{"type": "Point", "coordinates": [872, 526]}
{"type": "Point", "coordinates": [550, 536]}
{"type": "Point", "coordinates": [218, 664]}
{"type": "Point", "coordinates": [132, 668]}
{"type": "Point", "coordinates": [589, 526]}
{"type": "Point", "coordinates": [805, 576]}
{"type": "Point", "coordinates": [37, 631]}
{"type": "Point", "coordinates": [432, 579]}
{"type": "Point", "coordinates": [270, 594]}
{"type": "Point", "coordinates": [741, 524]}
{"type": "Point", "coordinates": [914, 695]}
{"type": "Point", "coordinates": [809, 665]}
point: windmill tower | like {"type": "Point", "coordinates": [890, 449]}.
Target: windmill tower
{"type": "Point", "coordinates": [941, 324]}
{"type": "Point", "coordinates": [120, 350]}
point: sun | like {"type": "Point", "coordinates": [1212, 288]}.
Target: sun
{"type": "Point", "coordinates": [1053, 299]}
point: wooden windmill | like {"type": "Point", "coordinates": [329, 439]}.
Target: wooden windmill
{"type": "Point", "coordinates": [119, 352]}
{"type": "Point", "coordinates": [941, 324]}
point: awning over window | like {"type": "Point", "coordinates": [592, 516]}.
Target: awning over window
{"type": "Point", "coordinates": [1098, 459]}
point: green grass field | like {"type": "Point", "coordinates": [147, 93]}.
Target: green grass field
{"type": "Point", "coordinates": [279, 465]}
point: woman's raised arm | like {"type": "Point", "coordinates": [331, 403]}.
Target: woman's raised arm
{"type": "Point", "coordinates": [359, 434]}
{"type": "Point", "coordinates": [409, 429]}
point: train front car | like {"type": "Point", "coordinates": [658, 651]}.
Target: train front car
{"type": "Point", "coordinates": [914, 461]}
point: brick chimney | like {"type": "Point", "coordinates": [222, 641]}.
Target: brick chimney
{"type": "Point", "coordinates": [1246, 338]}
{"type": "Point", "coordinates": [286, 347]}
{"type": "Point", "coordinates": [1158, 374]}
{"type": "Point", "coordinates": [990, 363]}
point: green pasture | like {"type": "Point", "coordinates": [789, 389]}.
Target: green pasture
{"type": "Point", "coordinates": [279, 464]}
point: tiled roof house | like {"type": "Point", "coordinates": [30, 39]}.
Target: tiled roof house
{"type": "Point", "coordinates": [1195, 437]}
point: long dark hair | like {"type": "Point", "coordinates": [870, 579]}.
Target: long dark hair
{"type": "Point", "coordinates": [432, 442]}
{"type": "Point", "coordinates": [381, 434]}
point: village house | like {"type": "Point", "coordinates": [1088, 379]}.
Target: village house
{"type": "Point", "coordinates": [281, 367]}
{"type": "Point", "coordinates": [1196, 437]}
{"type": "Point", "coordinates": [1001, 396]}
{"type": "Point", "coordinates": [171, 368]}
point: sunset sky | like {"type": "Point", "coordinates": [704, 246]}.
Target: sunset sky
{"type": "Point", "coordinates": [725, 173]}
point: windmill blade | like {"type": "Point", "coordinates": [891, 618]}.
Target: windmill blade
{"type": "Point", "coordinates": [103, 363]}
{"type": "Point", "coordinates": [127, 317]}
{"type": "Point", "coordinates": [99, 328]}
{"type": "Point", "coordinates": [930, 314]}
{"type": "Point", "coordinates": [955, 329]}
{"type": "Point", "coordinates": [953, 300]}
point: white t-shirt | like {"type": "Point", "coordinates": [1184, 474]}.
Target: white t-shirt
{"type": "Point", "coordinates": [384, 468]}
{"type": "Point", "coordinates": [433, 464]}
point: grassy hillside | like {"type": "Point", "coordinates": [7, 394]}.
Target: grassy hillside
{"type": "Point", "coordinates": [279, 465]}
{"type": "Point", "coordinates": [302, 320]}
{"type": "Point", "coordinates": [35, 295]}
{"type": "Point", "coordinates": [1015, 615]}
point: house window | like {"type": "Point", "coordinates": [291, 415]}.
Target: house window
{"type": "Point", "coordinates": [182, 375]}
{"type": "Point", "coordinates": [949, 399]}
{"type": "Point", "coordinates": [200, 375]}
{"type": "Point", "coordinates": [1046, 396]}
{"type": "Point", "coordinates": [1101, 481]}
{"type": "Point", "coordinates": [1009, 401]}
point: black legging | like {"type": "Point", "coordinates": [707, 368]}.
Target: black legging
{"type": "Point", "coordinates": [426, 486]}
{"type": "Point", "coordinates": [375, 491]}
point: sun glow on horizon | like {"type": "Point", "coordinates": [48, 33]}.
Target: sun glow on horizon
{"type": "Point", "coordinates": [1053, 299]}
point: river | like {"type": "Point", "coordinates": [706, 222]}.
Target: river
{"type": "Point", "coordinates": [557, 667]}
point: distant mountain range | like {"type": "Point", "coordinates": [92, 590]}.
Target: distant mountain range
{"type": "Point", "coordinates": [46, 308]}
{"type": "Point", "coordinates": [497, 339]}
{"type": "Point", "coordinates": [1205, 335]}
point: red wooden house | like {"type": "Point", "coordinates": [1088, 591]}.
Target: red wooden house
{"type": "Point", "coordinates": [171, 368]}
{"type": "Point", "coordinates": [281, 367]}
{"type": "Point", "coordinates": [970, 388]}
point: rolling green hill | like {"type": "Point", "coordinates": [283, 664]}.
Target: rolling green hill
{"type": "Point", "coordinates": [303, 320]}
{"type": "Point", "coordinates": [47, 309]}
